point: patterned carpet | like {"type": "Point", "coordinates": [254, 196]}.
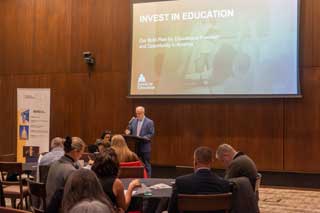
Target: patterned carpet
{"type": "Point", "coordinates": [283, 200]}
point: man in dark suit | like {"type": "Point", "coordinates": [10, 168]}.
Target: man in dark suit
{"type": "Point", "coordinates": [237, 164]}
{"type": "Point", "coordinates": [143, 127]}
{"type": "Point", "coordinates": [202, 181]}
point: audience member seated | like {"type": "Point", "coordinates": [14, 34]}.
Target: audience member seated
{"type": "Point", "coordinates": [106, 167]}
{"type": "Point", "coordinates": [93, 150]}
{"type": "Point", "coordinates": [135, 163]}
{"type": "Point", "coordinates": [237, 164]}
{"type": "Point", "coordinates": [202, 181]}
{"type": "Point", "coordinates": [102, 145]}
{"type": "Point", "coordinates": [55, 154]}
{"type": "Point", "coordinates": [106, 136]}
{"type": "Point", "coordinates": [60, 170]}
{"type": "Point", "coordinates": [83, 193]}
{"type": "Point", "coordinates": [124, 154]}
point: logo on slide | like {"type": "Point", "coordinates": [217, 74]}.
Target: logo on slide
{"type": "Point", "coordinates": [141, 78]}
{"type": "Point", "coordinates": [143, 84]}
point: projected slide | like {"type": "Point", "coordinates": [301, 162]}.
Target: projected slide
{"type": "Point", "coordinates": [214, 47]}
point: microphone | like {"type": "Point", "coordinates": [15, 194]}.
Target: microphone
{"type": "Point", "coordinates": [127, 131]}
{"type": "Point", "coordinates": [132, 119]}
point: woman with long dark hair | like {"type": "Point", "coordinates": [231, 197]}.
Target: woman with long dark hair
{"type": "Point", "coordinates": [83, 193]}
{"type": "Point", "coordinates": [106, 167]}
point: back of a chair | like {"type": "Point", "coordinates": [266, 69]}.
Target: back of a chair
{"type": "Point", "coordinates": [2, 201]}
{"type": "Point", "coordinates": [8, 158]}
{"type": "Point", "coordinates": [43, 173]}
{"type": "Point", "coordinates": [10, 210]}
{"type": "Point", "coordinates": [135, 163]}
{"type": "Point", "coordinates": [37, 190]}
{"type": "Point", "coordinates": [258, 182]}
{"type": "Point", "coordinates": [10, 168]}
{"type": "Point", "coordinates": [131, 172]}
{"type": "Point", "coordinates": [85, 156]}
{"type": "Point", "coordinates": [212, 202]}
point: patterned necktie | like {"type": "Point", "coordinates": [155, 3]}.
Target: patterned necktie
{"type": "Point", "coordinates": [139, 127]}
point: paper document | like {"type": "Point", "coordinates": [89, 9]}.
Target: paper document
{"type": "Point", "coordinates": [160, 186]}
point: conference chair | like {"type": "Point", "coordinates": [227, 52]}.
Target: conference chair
{"type": "Point", "coordinates": [257, 185]}
{"type": "Point", "coordinates": [10, 210]}
{"type": "Point", "coordinates": [2, 201]}
{"type": "Point", "coordinates": [13, 189]}
{"type": "Point", "coordinates": [8, 158]}
{"type": "Point", "coordinates": [37, 193]}
{"type": "Point", "coordinates": [86, 156]}
{"type": "Point", "coordinates": [210, 202]}
{"type": "Point", "coordinates": [43, 173]}
{"type": "Point", "coordinates": [131, 172]}
{"type": "Point", "coordinates": [258, 182]}
{"type": "Point", "coordinates": [135, 163]}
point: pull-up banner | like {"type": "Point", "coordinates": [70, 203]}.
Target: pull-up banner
{"type": "Point", "coordinates": [33, 123]}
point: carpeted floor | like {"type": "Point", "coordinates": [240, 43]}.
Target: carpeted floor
{"type": "Point", "coordinates": [283, 200]}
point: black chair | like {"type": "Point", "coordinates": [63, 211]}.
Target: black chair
{"type": "Point", "coordinates": [43, 173]}
{"type": "Point", "coordinates": [13, 189]}
{"type": "Point", "coordinates": [212, 202]}
{"type": "Point", "coordinates": [257, 185]}
{"type": "Point", "coordinates": [2, 201]}
{"type": "Point", "coordinates": [37, 193]}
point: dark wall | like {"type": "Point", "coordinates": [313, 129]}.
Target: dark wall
{"type": "Point", "coordinates": [41, 45]}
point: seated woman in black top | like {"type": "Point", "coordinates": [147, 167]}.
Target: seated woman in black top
{"type": "Point", "coordinates": [106, 167]}
{"type": "Point", "coordinates": [83, 193]}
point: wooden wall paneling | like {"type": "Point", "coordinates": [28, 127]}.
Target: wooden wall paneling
{"type": "Point", "coordinates": [100, 35]}
{"type": "Point", "coordinates": [7, 116]}
{"type": "Point", "coordinates": [92, 32]}
{"type": "Point", "coordinates": [57, 84]}
{"type": "Point", "coordinates": [52, 36]}
{"type": "Point", "coordinates": [302, 133]}
{"type": "Point", "coordinates": [121, 37]}
{"type": "Point", "coordinates": [121, 104]}
{"type": "Point", "coordinates": [316, 33]}
{"type": "Point", "coordinates": [108, 107]}
{"type": "Point", "coordinates": [76, 105]}
{"type": "Point", "coordinates": [164, 150]}
{"type": "Point", "coordinates": [203, 124]}
{"type": "Point", "coordinates": [16, 36]}
{"type": "Point", "coordinates": [182, 126]}
{"type": "Point", "coordinates": [306, 32]}
{"type": "Point", "coordinates": [168, 147]}
{"type": "Point", "coordinates": [2, 37]}
{"type": "Point", "coordinates": [80, 34]}
{"type": "Point", "coordinates": [256, 127]}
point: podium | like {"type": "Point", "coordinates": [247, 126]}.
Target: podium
{"type": "Point", "coordinates": [133, 142]}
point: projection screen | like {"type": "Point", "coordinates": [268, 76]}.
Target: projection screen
{"type": "Point", "coordinates": [214, 48]}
